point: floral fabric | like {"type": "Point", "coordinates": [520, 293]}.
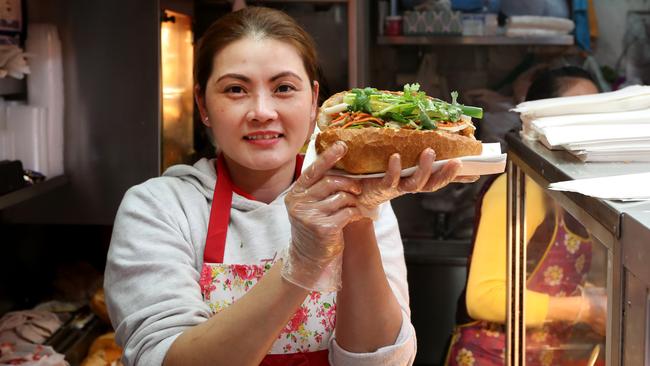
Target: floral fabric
{"type": "Point", "coordinates": [309, 329]}
{"type": "Point", "coordinates": [483, 344]}
{"type": "Point", "coordinates": [564, 265]}
{"type": "Point", "coordinates": [559, 273]}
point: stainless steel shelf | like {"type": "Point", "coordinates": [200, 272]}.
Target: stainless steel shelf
{"type": "Point", "coordinates": [475, 40]}
{"type": "Point", "coordinates": [559, 165]}
{"type": "Point", "coordinates": [32, 191]}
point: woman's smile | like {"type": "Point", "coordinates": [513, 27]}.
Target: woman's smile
{"type": "Point", "coordinates": [263, 138]}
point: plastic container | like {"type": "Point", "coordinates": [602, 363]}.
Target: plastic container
{"type": "Point", "coordinates": [393, 25]}
{"type": "Point", "coordinates": [7, 145]}
{"type": "Point", "coordinates": [29, 128]}
{"type": "Point", "coordinates": [479, 24]}
{"type": "Point", "coordinates": [45, 88]}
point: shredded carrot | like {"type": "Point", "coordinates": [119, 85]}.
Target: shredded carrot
{"type": "Point", "coordinates": [363, 115]}
{"type": "Point", "coordinates": [350, 123]}
{"type": "Point", "coordinates": [339, 118]}
{"type": "Point", "coordinates": [347, 119]}
{"type": "Point", "coordinates": [369, 119]}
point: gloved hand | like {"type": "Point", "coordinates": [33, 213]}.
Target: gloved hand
{"type": "Point", "coordinates": [319, 208]}
{"type": "Point", "coordinates": [379, 190]}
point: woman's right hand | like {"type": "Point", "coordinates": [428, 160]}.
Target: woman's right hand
{"type": "Point", "coordinates": [319, 207]}
{"type": "Point", "coordinates": [380, 190]}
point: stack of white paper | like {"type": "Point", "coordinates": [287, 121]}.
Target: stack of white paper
{"type": "Point", "coordinates": [611, 126]}
{"type": "Point", "coordinates": [628, 187]}
{"type": "Point", "coordinates": [531, 26]}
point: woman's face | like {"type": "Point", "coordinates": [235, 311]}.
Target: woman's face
{"type": "Point", "coordinates": [259, 103]}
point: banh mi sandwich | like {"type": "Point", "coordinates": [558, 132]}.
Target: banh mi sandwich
{"type": "Point", "coordinates": [376, 124]}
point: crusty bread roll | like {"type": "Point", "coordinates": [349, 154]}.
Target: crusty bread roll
{"type": "Point", "coordinates": [104, 352]}
{"type": "Point", "coordinates": [98, 305]}
{"type": "Point", "coordinates": [370, 148]}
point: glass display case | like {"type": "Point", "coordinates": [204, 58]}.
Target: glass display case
{"type": "Point", "coordinates": [635, 240]}
{"type": "Point", "coordinates": [576, 285]}
{"type": "Point", "coordinates": [176, 64]}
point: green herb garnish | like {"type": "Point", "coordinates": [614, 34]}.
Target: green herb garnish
{"type": "Point", "coordinates": [412, 107]}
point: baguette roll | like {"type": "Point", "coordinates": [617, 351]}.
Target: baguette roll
{"type": "Point", "coordinates": [369, 148]}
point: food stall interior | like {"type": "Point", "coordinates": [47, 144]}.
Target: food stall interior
{"type": "Point", "coordinates": [129, 114]}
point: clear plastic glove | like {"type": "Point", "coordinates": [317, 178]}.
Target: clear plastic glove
{"type": "Point", "coordinates": [379, 190]}
{"type": "Point", "coordinates": [319, 207]}
{"type": "Point", "coordinates": [593, 310]}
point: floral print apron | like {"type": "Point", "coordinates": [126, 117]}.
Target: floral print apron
{"type": "Point", "coordinates": [304, 340]}
{"type": "Point", "coordinates": [559, 273]}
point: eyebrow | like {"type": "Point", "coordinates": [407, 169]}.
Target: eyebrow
{"type": "Point", "coordinates": [285, 73]}
{"type": "Point", "coordinates": [234, 76]}
{"type": "Point", "coordinates": [247, 79]}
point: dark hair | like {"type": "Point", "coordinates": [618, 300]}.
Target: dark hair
{"type": "Point", "coordinates": [549, 83]}
{"type": "Point", "coordinates": [257, 22]}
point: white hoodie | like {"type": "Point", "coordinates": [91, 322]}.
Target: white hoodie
{"type": "Point", "coordinates": [156, 255]}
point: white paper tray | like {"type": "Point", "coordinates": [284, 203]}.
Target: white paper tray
{"type": "Point", "coordinates": [491, 161]}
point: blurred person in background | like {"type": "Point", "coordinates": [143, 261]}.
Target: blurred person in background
{"type": "Point", "coordinates": [560, 252]}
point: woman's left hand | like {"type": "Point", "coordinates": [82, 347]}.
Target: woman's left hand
{"type": "Point", "coordinates": [379, 190]}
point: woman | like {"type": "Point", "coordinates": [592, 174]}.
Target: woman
{"type": "Point", "coordinates": [197, 271]}
{"type": "Point", "coordinates": [559, 257]}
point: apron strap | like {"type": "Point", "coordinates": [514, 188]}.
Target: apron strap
{"type": "Point", "coordinates": [300, 159]}
{"type": "Point", "coordinates": [317, 358]}
{"type": "Point", "coordinates": [215, 242]}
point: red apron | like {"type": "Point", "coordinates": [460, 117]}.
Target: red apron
{"type": "Point", "coordinates": [303, 342]}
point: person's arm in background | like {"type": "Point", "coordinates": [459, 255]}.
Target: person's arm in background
{"type": "Point", "coordinates": [486, 285]}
